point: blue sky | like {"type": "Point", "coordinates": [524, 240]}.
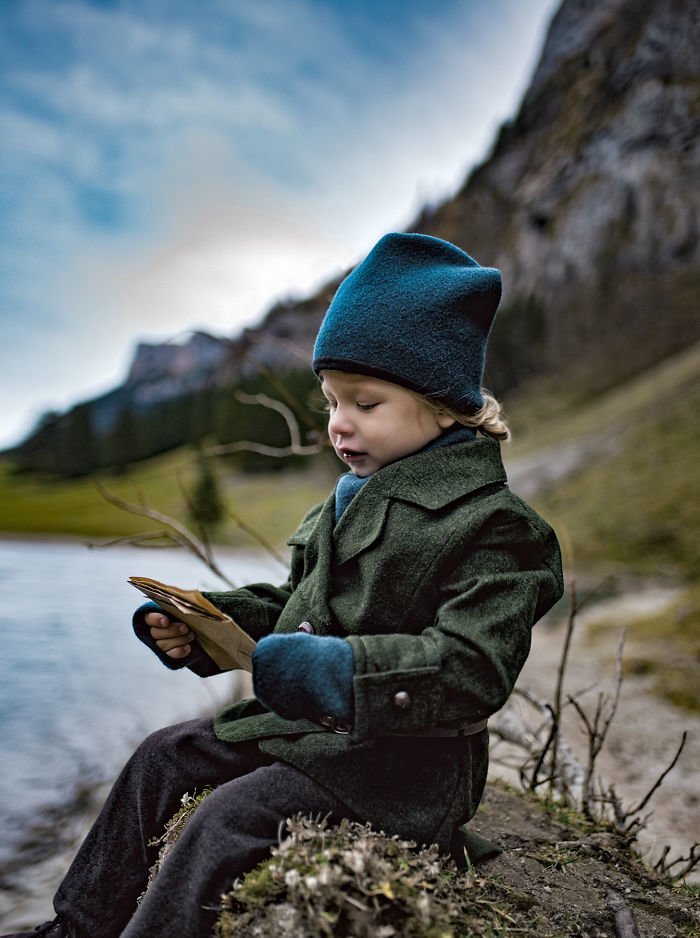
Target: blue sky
{"type": "Point", "coordinates": [176, 164]}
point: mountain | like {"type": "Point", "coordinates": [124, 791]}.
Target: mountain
{"type": "Point", "coordinates": [588, 202]}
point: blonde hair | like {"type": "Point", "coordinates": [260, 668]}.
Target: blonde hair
{"type": "Point", "coordinates": [489, 419]}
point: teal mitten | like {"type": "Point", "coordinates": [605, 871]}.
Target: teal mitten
{"type": "Point", "coordinates": [299, 675]}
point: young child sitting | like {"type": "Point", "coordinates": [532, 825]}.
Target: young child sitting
{"type": "Point", "coordinates": [402, 627]}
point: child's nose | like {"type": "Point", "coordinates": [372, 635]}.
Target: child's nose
{"type": "Point", "coordinates": [339, 422]}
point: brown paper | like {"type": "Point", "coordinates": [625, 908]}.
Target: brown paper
{"type": "Point", "coordinates": [223, 639]}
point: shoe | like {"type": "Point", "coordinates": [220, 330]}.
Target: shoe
{"type": "Point", "coordinates": [54, 929]}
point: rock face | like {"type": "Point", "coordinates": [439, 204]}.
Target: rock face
{"type": "Point", "coordinates": [163, 372]}
{"type": "Point", "coordinates": [589, 200]}
{"type": "Point", "coordinates": [202, 353]}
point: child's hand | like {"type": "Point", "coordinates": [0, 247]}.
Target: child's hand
{"type": "Point", "coordinates": [171, 637]}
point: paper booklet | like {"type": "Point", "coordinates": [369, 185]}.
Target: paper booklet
{"type": "Point", "coordinates": [222, 638]}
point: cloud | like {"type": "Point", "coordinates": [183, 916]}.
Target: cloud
{"type": "Point", "coordinates": [171, 164]}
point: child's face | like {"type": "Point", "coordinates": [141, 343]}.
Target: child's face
{"type": "Point", "coordinates": [373, 423]}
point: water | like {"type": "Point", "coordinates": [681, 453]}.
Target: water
{"type": "Point", "coordinates": [77, 690]}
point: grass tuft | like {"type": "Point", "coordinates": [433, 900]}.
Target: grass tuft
{"type": "Point", "coordinates": [355, 882]}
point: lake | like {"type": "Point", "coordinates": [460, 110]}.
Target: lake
{"type": "Point", "coordinates": [78, 691]}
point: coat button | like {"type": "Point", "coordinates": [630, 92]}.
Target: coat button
{"type": "Point", "coordinates": [402, 699]}
{"type": "Point", "coordinates": [306, 627]}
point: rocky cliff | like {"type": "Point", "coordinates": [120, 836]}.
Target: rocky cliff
{"type": "Point", "coordinates": [589, 200]}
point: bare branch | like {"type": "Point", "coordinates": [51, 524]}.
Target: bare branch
{"type": "Point", "coordinates": [137, 540]}
{"type": "Point", "coordinates": [561, 672]}
{"type": "Point", "coordinates": [280, 407]}
{"type": "Point", "coordinates": [645, 800]}
{"type": "Point", "coordinates": [264, 543]}
{"type": "Point", "coordinates": [178, 532]}
{"type": "Point", "coordinates": [553, 732]}
{"type": "Point", "coordinates": [282, 389]}
{"type": "Point", "coordinates": [295, 448]}
{"type": "Point", "coordinates": [691, 861]}
{"type": "Point", "coordinates": [278, 452]}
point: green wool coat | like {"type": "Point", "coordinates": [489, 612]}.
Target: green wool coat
{"type": "Point", "coordinates": [435, 574]}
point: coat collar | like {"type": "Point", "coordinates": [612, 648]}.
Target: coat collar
{"type": "Point", "coordinates": [435, 478]}
{"type": "Point", "coordinates": [430, 479]}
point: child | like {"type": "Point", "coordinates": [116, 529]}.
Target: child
{"type": "Point", "coordinates": [402, 627]}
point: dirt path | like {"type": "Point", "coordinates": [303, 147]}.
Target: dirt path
{"type": "Point", "coordinates": [646, 730]}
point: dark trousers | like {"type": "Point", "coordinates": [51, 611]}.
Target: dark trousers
{"type": "Point", "coordinates": [230, 832]}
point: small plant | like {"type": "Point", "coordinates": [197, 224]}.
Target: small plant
{"type": "Point", "coordinates": [173, 828]}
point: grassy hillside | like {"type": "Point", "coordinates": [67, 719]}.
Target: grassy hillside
{"type": "Point", "coordinates": [636, 506]}
{"type": "Point", "coordinates": [272, 503]}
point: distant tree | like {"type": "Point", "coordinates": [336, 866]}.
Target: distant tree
{"type": "Point", "coordinates": [37, 452]}
{"type": "Point", "coordinates": [76, 453]}
{"type": "Point", "coordinates": [120, 446]}
{"type": "Point", "coordinates": [201, 415]}
{"type": "Point", "coordinates": [205, 505]}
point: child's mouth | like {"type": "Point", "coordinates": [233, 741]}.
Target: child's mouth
{"type": "Point", "coordinates": [350, 455]}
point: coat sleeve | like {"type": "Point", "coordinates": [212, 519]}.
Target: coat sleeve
{"type": "Point", "coordinates": [463, 665]}
{"type": "Point", "coordinates": [256, 608]}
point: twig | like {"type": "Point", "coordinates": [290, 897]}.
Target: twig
{"type": "Point", "coordinates": [282, 389]}
{"type": "Point", "coordinates": [141, 540]}
{"type": "Point", "coordinates": [645, 800]}
{"type": "Point", "coordinates": [575, 606]}
{"type": "Point", "coordinates": [553, 733]}
{"type": "Point", "coordinates": [295, 448]}
{"type": "Point", "coordinates": [178, 533]}
{"type": "Point", "coordinates": [597, 730]}
{"type": "Point", "coordinates": [264, 543]}
{"type": "Point", "coordinates": [691, 861]}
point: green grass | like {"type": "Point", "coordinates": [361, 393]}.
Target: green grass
{"type": "Point", "coordinates": [272, 504]}
{"type": "Point", "coordinates": [639, 510]}
{"type": "Point", "coordinates": [552, 410]}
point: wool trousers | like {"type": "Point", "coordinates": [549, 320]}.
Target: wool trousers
{"type": "Point", "coordinates": [230, 832]}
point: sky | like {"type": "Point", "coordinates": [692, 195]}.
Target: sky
{"type": "Point", "coordinates": [169, 165]}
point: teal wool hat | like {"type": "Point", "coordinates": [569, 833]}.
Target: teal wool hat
{"type": "Point", "coordinates": [417, 312]}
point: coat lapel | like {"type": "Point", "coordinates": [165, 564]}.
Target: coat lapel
{"type": "Point", "coordinates": [362, 521]}
{"type": "Point", "coordinates": [432, 479]}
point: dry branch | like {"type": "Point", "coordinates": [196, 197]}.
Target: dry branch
{"type": "Point", "coordinates": [257, 536]}
{"type": "Point", "coordinates": [295, 448]}
{"type": "Point", "coordinates": [175, 531]}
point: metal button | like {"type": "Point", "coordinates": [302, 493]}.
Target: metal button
{"type": "Point", "coordinates": [402, 699]}
{"type": "Point", "coordinates": [306, 627]}
{"type": "Point", "coordinates": [335, 726]}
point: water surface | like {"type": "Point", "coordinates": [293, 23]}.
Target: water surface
{"type": "Point", "coordinates": [77, 690]}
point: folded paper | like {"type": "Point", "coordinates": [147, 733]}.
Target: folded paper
{"type": "Point", "coordinates": [224, 640]}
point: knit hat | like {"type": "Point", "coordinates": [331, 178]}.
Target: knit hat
{"type": "Point", "coordinates": [417, 312]}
